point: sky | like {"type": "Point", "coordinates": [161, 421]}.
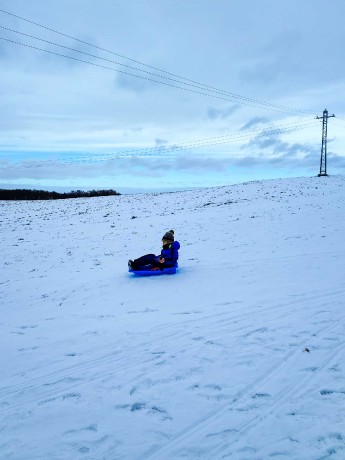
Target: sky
{"type": "Point", "coordinates": [151, 95]}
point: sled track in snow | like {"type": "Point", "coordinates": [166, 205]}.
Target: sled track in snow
{"type": "Point", "coordinates": [56, 383]}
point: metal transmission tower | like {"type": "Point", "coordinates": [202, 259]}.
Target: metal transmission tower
{"type": "Point", "coordinates": [323, 159]}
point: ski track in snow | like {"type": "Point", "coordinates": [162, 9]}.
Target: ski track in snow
{"type": "Point", "coordinates": [283, 395]}
{"type": "Point", "coordinates": [71, 377]}
{"type": "Point", "coordinates": [221, 326]}
{"type": "Point", "coordinates": [239, 355]}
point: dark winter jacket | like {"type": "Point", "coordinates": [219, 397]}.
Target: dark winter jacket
{"type": "Point", "coordinates": [170, 253]}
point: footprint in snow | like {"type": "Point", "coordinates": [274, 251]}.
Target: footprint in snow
{"type": "Point", "coordinates": [67, 396]}
{"type": "Point", "coordinates": [71, 396]}
{"type": "Point", "coordinates": [214, 387]}
{"type": "Point", "coordinates": [137, 406]}
{"type": "Point", "coordinates": [332, 436]}
{"type": "Point", "coordinates": [90, 428]}
{"type": "Point", "coordinates": [261, 395]}
{"type": "Point", "coordinates": [28, 349]}
{"type": "Point", "coordinates": [331, 392]}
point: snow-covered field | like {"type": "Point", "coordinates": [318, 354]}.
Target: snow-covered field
{"type": "Point", "coordinates": [239, 355]}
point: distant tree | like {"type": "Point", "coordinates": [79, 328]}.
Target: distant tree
{"type": "Point", "coordinates": [28, 194]}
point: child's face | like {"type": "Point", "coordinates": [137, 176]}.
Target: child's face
{"type": "Point", "coordinates": [165, 242]}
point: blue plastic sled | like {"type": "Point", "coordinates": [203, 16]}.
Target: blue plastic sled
{"type": "Point", "coordinates": [165, 271]}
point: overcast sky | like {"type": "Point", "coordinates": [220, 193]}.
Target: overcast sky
{"type": "Point", "coordinates": [270, 63]}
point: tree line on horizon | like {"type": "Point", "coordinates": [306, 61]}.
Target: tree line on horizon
{"type": "Point", "coordinates": [28, 194]}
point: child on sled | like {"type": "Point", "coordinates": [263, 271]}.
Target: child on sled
{"type": "Point", "coordinates": [167, 258]}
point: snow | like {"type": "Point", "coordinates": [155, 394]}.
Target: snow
{"type": "Point", "coordinates": [239, 355]}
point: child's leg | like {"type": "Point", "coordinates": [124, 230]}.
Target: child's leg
{"type": "Point", "coordinates": [148, 259]}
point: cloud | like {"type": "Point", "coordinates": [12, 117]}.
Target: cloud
{"type": "Point", "coordinates": [277, 146]}
{"type": "Point", "coordinates": [254, 122]}
{"type": "Point", "coordinates": [292, 157]}
{"type": "Point", "coordinates": [336, 160]}
{"type": "Point", "coordinates": [3, 50]}
{"type": "Point", "coordinates": [215, 114]}
{"type": "Point", "coordinates": [272, 151]}
{"type": "Point", "coordinates": [74, 54]}
{"type": "Point", "coordinates": [278, 57]}
{"type": "Point", "coordinates": [192, 164]}
{"type": "Point", "coordinates": [198, 164]}
{"type": "Point", "coordinates": [160, 142]}
{"type": "Point", "coordinates": [132, 166]}
{"type": "Point", "coordinates": [134, 84]}
{"type": "Point", "coordinates": [284, 162]}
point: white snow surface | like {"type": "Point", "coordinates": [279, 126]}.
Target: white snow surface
{"type": "Point", "coordinates": [240, 355]}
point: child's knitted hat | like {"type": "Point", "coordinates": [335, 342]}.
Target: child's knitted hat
{"type": "Point", "coordinates": [169, 236]}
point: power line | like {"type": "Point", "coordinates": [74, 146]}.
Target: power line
{"type": "Point", "coordinates": [154, 151]}
{"type": "Point", "coordinates": [143, 64]}
{"type": "Point", "coordinates": [233, 97]}
{"type": "Point", "coordinates": [201, 143]}
{"type": "Point", "coordinates": [138, 76]}
{"type": "Point", "coordinates": [228, 138]}
{"type": "Point", "coordinates": [93, 45]}
{"type": "Point", "coordinates": [108, 68]}
{"type": "Point", "coordinates": [119, 63]}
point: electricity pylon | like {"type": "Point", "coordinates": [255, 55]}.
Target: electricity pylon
{"type": "Point", "coordinates": [323, 159]}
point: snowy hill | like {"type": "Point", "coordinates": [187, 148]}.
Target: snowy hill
{"type": "Point", "coordinates": [239, 355]}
